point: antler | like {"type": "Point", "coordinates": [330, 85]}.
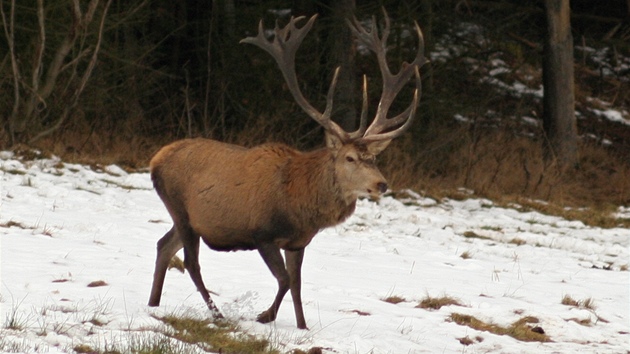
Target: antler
{"type": "Point", "coordinates": [282, 48]}
{"type": "Point", "coordinates": [392, 84]}
{"type": "Point", "coordinates": [285, 43]}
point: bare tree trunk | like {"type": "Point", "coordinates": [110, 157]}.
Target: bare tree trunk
{"type": "Point", "coordinates": [9, 31]}
{"type": "Point", "coordinates": [426, 23]}
{"type": "Point", "coordinates": [230, 17]}
{"type": "Point", "coordinates": [427, 116]}
{"type": "Point", "coordinates": [343, 55]}
{"type": "Point", "coordinates": [559, 101]}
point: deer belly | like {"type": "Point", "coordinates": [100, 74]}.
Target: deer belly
{"type": "Point", "coordinates": [230, 241]}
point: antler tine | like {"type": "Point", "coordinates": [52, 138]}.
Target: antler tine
{"type": "Point", "coordinates": [371, 40]}
{"type": "Point", "coordinates": [330, 95]}
{"type": "Point", "coordinates": [283, 48]}
{"type": "Point", "coordinates": [392, 84]}
{"type": "Point", "coordinates": [364, 111]}
{"type": "Point", "coordinates": [406, 117]}
{"type": "Point", "coordinates": [391, 89]}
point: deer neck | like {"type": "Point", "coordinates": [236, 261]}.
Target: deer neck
{"type": "Point", "coordinates": [314, 191]}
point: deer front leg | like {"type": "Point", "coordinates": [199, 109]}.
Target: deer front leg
{"type": "Point", "coordinates": [270, 253]}
{"type": "Point", "coordinates": [294, 268]}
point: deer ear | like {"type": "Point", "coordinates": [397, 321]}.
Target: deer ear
{"type": "Point", "coordinates": [333, 142]}
{"type": "Point", "coordinates": [376, 147]}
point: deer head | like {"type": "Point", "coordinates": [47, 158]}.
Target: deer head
{"type": "Point", "coordinates": [362, 145]}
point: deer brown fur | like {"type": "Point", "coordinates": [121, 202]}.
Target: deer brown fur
{"type": "Point", "coordinates": [270, 197]}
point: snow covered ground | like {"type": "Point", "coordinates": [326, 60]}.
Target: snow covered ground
{"type": "Point", "coordinates": [64, 226]}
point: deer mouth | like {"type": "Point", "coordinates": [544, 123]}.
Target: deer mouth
{"type": "Point", "coordinates": [372, 194]}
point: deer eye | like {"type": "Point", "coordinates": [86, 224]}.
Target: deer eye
{"type": "Point", "coordinates": [349, 159]}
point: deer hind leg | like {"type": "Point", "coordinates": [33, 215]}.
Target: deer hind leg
{"type": "Point", "coordinates": [167, 246]}
{"type": "Point", "coordinates": [191, 262]}
{"type": "Point", "coordinates": [273, 258]}
{"type": "Point", "coordinates": [294, 268]}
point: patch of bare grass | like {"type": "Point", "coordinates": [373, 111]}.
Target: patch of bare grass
{"type": "Point", "coordinates": [13, 171]}
{"type": "Point", "coordinates": [510, 168]}
{"type": "Point", "coordinates": [472, 234]}
{"type": "Point", "coordinates": [520, 329]}
{"type": "Point", "coordinates": [217, 336]}
{"type": "Point", "coordinates": [17, 224]}
{"type": "Point", "coordinates": [436, 303]}
{"type": "Point", "coordinates": [599, 215]}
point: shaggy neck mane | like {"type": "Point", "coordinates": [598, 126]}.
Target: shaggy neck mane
{"type": "Point", "coordinates": [314, 192]}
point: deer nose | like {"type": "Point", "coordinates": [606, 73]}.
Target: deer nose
{"type": "Point", "coordinates": [382, 187]}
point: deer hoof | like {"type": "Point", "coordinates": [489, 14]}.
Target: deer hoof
{"type": "Point", "coordinates": [266, 317]}
{"type": "Point", "coordinates": [214, 310]}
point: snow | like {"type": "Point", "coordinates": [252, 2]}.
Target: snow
{"type": "Point", "coordinates": [608, 61]}
{"type": "Point", "coordinates": [613, 115]}
{"type": "Point", "coordinates": [63, 226]}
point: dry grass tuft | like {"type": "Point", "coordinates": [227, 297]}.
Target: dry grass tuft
{"type": "Point", "coordinates": [472, 234]}
{"type": "Point", "coordinates": [583, 321]}
{"type": "Point", "coordinates": [569, 301]}
{"type": "Point", "coordinates": [83, 348]}
{"type": "Point", "coordinates": [314, 350]}
{"type": "Point", "coordinates": [466, 341]}
{"type": "Point", "coordinates": [360, 313]}
{"type": "Point", "coordinates": [97, 283]}
{"type": "Point", "coordinates": [588, 304]}
{"type": "Point", "coordinates": [436, 303]}
{"type": "Point", "coordinates": [17, 224]}
{"type": "Point", "coordinates": [177, 263]}
{"type": "Point", "coordinates": [394, 299]}
{"type": "Point", "coordinates": [517, 241]}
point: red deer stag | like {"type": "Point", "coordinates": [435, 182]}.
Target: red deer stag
{"type": "Point", "coordinates": [272, 197]}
